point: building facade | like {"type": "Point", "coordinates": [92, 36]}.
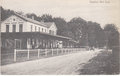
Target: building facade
{"type": "Point", "coordinates": [20, 32]}
{"type": "Point", "coordinates": [18, 23]}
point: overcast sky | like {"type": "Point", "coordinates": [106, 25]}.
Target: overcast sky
{"type": "Point", "coordinates": [102, 13]}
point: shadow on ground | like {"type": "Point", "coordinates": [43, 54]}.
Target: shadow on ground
{"type": "Point", "coordinates": [101, 64]}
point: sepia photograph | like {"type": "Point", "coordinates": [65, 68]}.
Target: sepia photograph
{"type": "Point", "coordinates": [60, 37]}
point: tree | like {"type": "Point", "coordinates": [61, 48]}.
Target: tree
{"type": "Point", "coordinates": [5, 13]}
{"type": "Point", "coordinates": [78, 26]}
{"type": "Point", "coordinates": [112, 35]}
{"type": "Point", "coordinates": [61, 25]}
{"type": "Point", "coordinates": [95, 35]}
{"type": "Point", "coordinates": [47, 18]}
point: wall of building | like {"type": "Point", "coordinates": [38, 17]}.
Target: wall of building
{"type": "Point", "coordinates": [53, 28]}
{"type": "Point", "coordinates": [29, 29]}
{"type": "Point", "coordinates": [13, 20]}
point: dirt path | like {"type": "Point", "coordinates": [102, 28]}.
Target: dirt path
{"type": "Point", "coordinates": [59, 65]}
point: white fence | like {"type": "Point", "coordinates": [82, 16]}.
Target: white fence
{"type": "Point", "coordinates": [47, 52]}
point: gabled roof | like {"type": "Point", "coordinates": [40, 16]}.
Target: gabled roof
{"type": "Point", "coordinates": [44, 24]}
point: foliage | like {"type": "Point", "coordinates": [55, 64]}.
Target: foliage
{"type": "Point", "coordinates": [112, 35]}
{"type": "Point", "coordinates": [5, 13]}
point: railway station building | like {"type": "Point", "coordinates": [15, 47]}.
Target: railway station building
{"type": "Point", "coordinates": [20, 32]}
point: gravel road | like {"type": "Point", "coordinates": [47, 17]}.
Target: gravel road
{"type": "Point", "coordinates": [58, 65]}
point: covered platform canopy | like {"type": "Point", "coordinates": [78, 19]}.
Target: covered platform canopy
{"type": "Point", "coordinates": [32, 35]}
{"type": "Point", "coordinates": [38, 39]}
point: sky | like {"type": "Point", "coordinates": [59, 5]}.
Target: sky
{"type": "Point", "coordinates": [90, 10]}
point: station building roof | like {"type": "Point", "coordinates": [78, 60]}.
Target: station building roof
{"type": "Point", "coordinates": [17, 35]}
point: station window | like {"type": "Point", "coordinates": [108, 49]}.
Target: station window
{"type": "Point", "coordinates": [45, 30]}
{"type": "Point", "coordinates": [7, 28]}
{"type": "Point", "coordinates": [21, 28]}
{"type": "Point", "coordinates": [42, 29]}
{"type": "Point", "coordinates": [39, 29]}
{"type": "Point", "coordinates": [50, 31]}
{"type": "Point", "coordinates": [53, 32]}
{"type": "Point", "coordinates": [35, 28]}
{"type": "Point", "coordinates": [31, 28]}
{"type": "Point", "coordinates": [14, 28]}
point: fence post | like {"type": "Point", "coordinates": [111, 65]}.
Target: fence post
{"type": "Point", "coordinates": [28, 54]}
{"type": "Point", "coordinates": [57, 51]}
{"type": "Point", "coordinates": [52, 52]}
{"type": "Point", "coordinates": [38, 52]}
{"type": "Point", "coordinates": [65, 50]}
{"type": "Point", "coordinates": [45, 52]}
{"type": "Point", "coordinates": [72, 50]}
{"type": "Point", "coordinates": [14, 55]}
{"type": "Point", "coordinates": [62, 50]}
{"type": "Point", "coordinates": [68, 50]}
